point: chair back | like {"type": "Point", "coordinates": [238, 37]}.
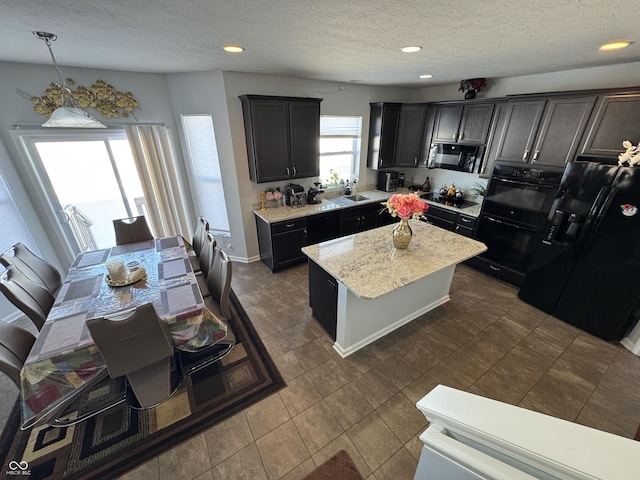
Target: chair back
{"type": "Point", "coordinates": [139, 346]}
{"type": "Point", "coordinates": [15, 345]}
{"type": "Point", "coordinates": [35, 268]}
{"type": "Point", "coordinates": [131, 230]}
{"type": "Point", "coordinates": [199, 235]}
{"type": "Point", "coordinates": [219, 280]}
{"type": "Point", "coordinates": [34, 300]}
{"type": "Point", "coordinates": [207, 253]}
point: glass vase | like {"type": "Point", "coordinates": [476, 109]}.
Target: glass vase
{"type": "Point", "coordinates": [402, 234]}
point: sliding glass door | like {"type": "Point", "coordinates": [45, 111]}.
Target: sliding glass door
{"type": "Point", "coordinates": [87, 180]}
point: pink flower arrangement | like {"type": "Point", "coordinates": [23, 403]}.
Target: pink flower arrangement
{"type": "Point", "coordinates": [406, 206]}
{"type": "Point", "coordinates": [273, 195]}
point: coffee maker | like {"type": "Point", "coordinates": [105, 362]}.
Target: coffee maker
{"type": "Point", "coordinates": [313, 193]}
{"type": "Point", "coordinates": [294, 195]}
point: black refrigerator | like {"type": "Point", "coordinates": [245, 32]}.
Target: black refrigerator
{"type": "Point", "coordinates": [586, 270]}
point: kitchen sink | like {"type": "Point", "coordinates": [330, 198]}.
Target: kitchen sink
{"type": "Point", "coordinates": [349, 200]}
{"type": "Point", "coordinates": [341, 201]}
{"type": "Point", "coordinates": [357, 198]}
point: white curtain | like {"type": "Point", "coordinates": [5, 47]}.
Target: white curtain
{"type": "Point", "coordinates": [155, 158]}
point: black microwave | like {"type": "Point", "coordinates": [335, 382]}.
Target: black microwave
{"type": "Point", "coordinates": [451, 156]}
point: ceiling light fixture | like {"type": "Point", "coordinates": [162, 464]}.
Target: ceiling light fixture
{"type": "Point", "coordinates": [411, 49]}
{"type": "Point", "coordinates": [614, 45]}
{"type": "Point", "coordinates": [69, 114]}
{"type": "Point", "coordinates": [233, 49]}
{"type": "Point", "coordinates": [426, 75]}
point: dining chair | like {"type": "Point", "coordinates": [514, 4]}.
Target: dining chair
{"type": "Point", "coordinates": [131, 230]}
{"type": "Point", "coordinates": [34, 300]}
{"type": "Point", "coordinates": [35, 268]}
{"type": "Point", "coordinates": [15, 345]}
{"type": "Point", "coordinates": [211, 348]}
{"type": "Point", "coordinates": [199, 235]}
{"type": "Point", "coordinates": [138, 345]}
{"type": "Point", "coordinates": [206, 259]}
{"type": "Point", "coordinates": [197, 241]}
{"type": "Point", "coordinates": [218, 308]}
{"type": "Point", "coordinates": [219, 284]}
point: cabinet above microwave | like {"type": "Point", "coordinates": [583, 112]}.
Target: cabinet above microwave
{"type": "Point", "coordinates": [466, 124]}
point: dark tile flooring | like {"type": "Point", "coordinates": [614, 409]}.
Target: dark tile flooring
{"type": "Point", "coordinates": [485, 340]}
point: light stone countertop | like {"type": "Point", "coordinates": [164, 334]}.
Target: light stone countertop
{"type": "Point", "coordinates": [368, 265]}
{"type": "Point", "coordinates": [285, 213]}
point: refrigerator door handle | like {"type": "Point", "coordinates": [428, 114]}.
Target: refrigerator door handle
{"type": "Point", "coordinates": [602, 203]}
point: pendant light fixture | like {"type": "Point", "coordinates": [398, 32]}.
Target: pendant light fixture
{"type": "Point", "coordinates": [69, 115]}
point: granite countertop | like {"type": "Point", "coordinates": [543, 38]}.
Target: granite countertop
{"type": "Point", "coordinates": [368, 265]}
{"type": "Point", "coordinates": [284, 213]}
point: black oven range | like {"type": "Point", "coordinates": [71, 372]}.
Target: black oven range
{"type": "Point", "coordinates": [514, 211]}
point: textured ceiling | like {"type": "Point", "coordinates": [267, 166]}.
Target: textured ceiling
{"type": "Point", "coordinates": [337, 40]}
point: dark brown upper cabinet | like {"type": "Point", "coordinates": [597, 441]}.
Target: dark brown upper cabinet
{"type": "Point", "coordinates": [383, 131]}
{"type": "Point", "coordinates": [616, 118]}
{"type": "Point", "coordinates": [544, 131]}
{"type": "Point", "coordinates": [462, 123]}
{"type": "Point", "coordinates": [410, 135]}
{"type": "Point", "coordinates": [283, 137]}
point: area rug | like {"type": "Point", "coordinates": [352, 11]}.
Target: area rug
{"type": "Point", "coordinates": [338, 467]}
{"type": "Point", "coordinates": [122, 438]}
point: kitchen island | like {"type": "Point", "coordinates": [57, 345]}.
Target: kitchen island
{"type": "Point", "coordinates": [361, 288]}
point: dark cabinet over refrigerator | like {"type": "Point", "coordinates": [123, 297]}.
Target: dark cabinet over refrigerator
{"type": "Point", "coordinates": [586, 269]}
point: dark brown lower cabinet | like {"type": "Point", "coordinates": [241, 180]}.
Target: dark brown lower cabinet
{"type": "Point", "coordinates": [441, 217]}
{"type": "Point", "coordinates": [323, 298]}
{"type": "Point", "coordinates": [323, 227]}
{"type": "Point", "coordinates": [465, 225]}
{"type": "Point", "coordinates": [360, 218]}
{"type": "Point", "coordinates": [280, 243]}
{"type": "Point", "coordinates": [450, 220]}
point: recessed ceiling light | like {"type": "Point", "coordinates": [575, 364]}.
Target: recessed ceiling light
{"type": "Point", "coordinates": [233, 49]}
{"type": "Point", "coordinates": [426, 75]}
{"type": "Point", "coordinates": [614, 45]}
{"type": "Point", "coordinates": [411, 49]}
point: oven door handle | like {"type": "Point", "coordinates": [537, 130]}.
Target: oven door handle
{"type": "Point", "coordinates": [501, 222]}
{"type": "Point", "coordinates": [548, 186]}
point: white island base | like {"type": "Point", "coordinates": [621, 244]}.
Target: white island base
{"type": "Point", "coordinates": [379, 288]}
{"type": "Point", "coordinates": [362, 321]}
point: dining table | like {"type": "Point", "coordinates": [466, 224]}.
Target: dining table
{"type": "Point", "coordinates": [65, 359]}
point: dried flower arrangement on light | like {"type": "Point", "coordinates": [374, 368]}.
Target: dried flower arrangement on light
{"type": "Point", "coordinates": [101, 96]}
{"type": "Point", "coordinates": [406, 206]}
{"type": "Point", "coordinates": [477, 84]}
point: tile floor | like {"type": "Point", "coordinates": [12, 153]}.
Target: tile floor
{"type": "Point", "coordinates": [485, 341]}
